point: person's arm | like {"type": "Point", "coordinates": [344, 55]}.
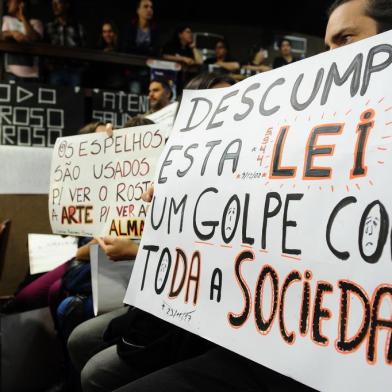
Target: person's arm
{"type": "Point", "coordinates": [198, 57]}
{"type": "Point", "coordinates": [231, 66]}
{"type": "Point", "coordinates": [117, 249]}
{"type": "Point", "coordinates": [31, 34]}
{"type": "Point", "coordinates": [179, 59]}
{"type": "Point", "coordinates": [83, 253]}
{"type": "Point", "coordinates": [257, 68]}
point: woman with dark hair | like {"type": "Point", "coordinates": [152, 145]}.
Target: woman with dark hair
{"type": "Point", "coordinates": [181, 47]}
{"type": "Point", "coordinates": [109, 38]}
{"type": "Point", "coordinates": [222, 59]}
{"type": "Point", "coordinates": [256, 59]}
{"type": "Point", "coordinates": [141, 37]}
{"type": "Point", "coordinates": [286, 57]}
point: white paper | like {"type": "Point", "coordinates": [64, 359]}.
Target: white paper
{"type": "Point", "coordinates": [286, 194]}
{"type": "Point", "coordinates": [25, 170]}
{"type": "Point", "coordinates": [48, 251]}
{"type": "Point", "coordinates": [165, 117]}
{"type": "Point", "coordinates": [109, 280]}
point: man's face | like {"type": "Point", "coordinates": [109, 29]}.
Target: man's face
{"type": "Point", "coordinates": [59, 7]}
{"type": "Point", "coordinates": [108, 34]}
{"type": "Point", "coordinates": [158, 97]}
{"type": "Point", "coordinates": [285, 48]}
{"type": "Point", "coordinates": [145, 10]}
{"type": "Point", "coordinates": [12, 6]}
{"type": "Point", "coordinates": [186, 36]}
{"type": "Point", "coordinates": [349, 23]}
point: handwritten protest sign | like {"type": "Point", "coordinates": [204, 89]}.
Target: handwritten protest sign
{"type": "Point", "coordinates": [270, 228]}
{"type": "Point", "coordinates": [97, 181]}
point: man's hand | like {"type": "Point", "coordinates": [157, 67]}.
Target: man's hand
{"type": "Point", "coordinates": [117, 249]}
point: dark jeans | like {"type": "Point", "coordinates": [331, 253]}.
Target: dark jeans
{"type": "Point", "coordinates": [217, 370]}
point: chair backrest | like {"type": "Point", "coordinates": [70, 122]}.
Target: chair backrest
{"type": "Point", "coordinates": [4, 234]}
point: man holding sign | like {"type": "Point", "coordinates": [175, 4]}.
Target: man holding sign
{"type": "Point", "coordinates": [323, 271]}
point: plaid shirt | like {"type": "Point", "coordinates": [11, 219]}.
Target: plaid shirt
{"type": "Point", "coordinates": [71, 35]}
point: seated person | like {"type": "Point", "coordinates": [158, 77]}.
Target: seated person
{"type": "Point", "coordinates": [286, 57]}
{"type": "Point", "coordinates": [181, 48]}
{"type": "Point", "coordinates": [65, 31]}
{"type": "Point", "coordinates": [141, 36]}
{"type": "Point", "coordinates": [256, 64]}
{"type": "Point", "coordinates": [222, 59]}
{"type": "Point", "coordinates": [18, 27]}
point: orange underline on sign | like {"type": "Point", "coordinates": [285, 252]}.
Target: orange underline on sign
{"type": "Point", "coordinates": [358, 187]}
{"type": "Point", "coordinates": [381, 100]}
{"type": "Point", "coordinates": [226, 246]}
{"type": "Point", "coordinates": [381, 148]}
{"type": "Point", "coordinates": [263, 250]}
{"type": "Point", "coordinates": [371, 182]}
{"type": "Point", "coordinates": [381, 162]}
{"type": "Point", "coordinates": [348, 112]}
{"type": "Point", "coordinates": [291, 257]}
{"type": "Point", "coordinates": [388, 109]}
{"type": "Point", "coordinates": [246, 246]}
{"type": "Point", "coordinates": [204, 243]}
{"type": "Point", "coordinates": [386, 137]}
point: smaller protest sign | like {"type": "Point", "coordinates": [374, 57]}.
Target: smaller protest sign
{"type": "Point", "coordinates": [97, 182]}
{"type": "Point", "coordinates": [48, 251]}
{"type": "Point", "coordinates": [109, 280]}
{"type": "Point", "coordinates": [165, 117]}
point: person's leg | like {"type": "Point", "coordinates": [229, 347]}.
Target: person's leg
{"type": "Point", "coordinates": [36, 294]}
{"type": "Point", "coordinates": [106, 371]}
{"type": "Point", "coordinates": [217, 370]}
{"type": "Point", "coordinates": [87, 338]}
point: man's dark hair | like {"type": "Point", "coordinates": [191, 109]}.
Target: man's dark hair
{"type": "Point", "coordinates": [164, 83]}
{"type": "Point", "coordinates": [283, 39]}
{"type": "Point", "coordinates": [379, 10]}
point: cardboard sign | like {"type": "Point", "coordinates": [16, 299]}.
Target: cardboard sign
{"type": "Point", "coordinates": [97, 181]}
{"type": "Point", "coordinates": [270, 228]}
{"type": "Point", "coordinates": [34, 115]}
{"type": "Point", "coordinates": [48, 251]}
{"type": "Point", "coordinates": [117, 107]}
{"type": "Point", "coordinates": [165, 117]}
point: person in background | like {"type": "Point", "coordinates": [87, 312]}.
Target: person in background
{"type": "Point", "coordinates": [109, 38]}
{"type": "Point", "coordinates": [16, 26]}
{"type": "Point", "coordinates": [65, 31]}
{"type": "Point", "coordinates": [256, 62]}
{"type": "Point", "coordinates": [159, 94]}
{"type": "Point", "coordinates": [286, 56]}
{"type": "Point", "coordinates": [108, 75]}
{"type": "Point", "coordinates": [141, 36]}
{"type": "Point", "coordinates": [181, 48]}
{"type": "Point", "coordinates": [222, 62]}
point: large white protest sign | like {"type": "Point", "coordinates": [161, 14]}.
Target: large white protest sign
{"type": "Point", "coordinates": [48, 251]}
{"type": "Point", "coordinates": [97, 181]}
{"type": "Point", "coordinates": [270, 228]}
